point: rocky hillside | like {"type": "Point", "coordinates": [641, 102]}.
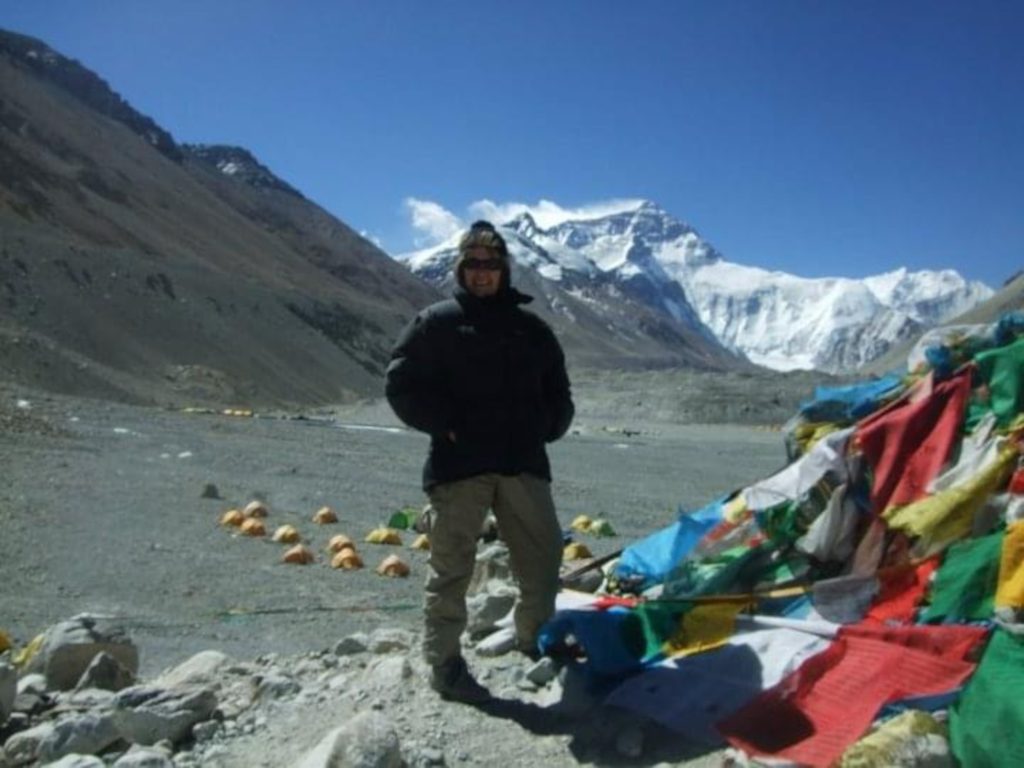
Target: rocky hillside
{"type": "Point", "coordinates": [136, 268]}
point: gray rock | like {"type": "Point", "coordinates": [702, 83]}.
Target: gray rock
{"type": "Point", "coordinates": [32, 683]}
{"type": "Point", "coordinates": [339, 682]}
{"type": "Point", "coordinates": [491, 563]}
{"type": "Point", "coordinates": [29, 704]}
{"type": "Point", "coordinates": [146, 714]}
{"type": "Point", "coordinates": [87, 698]}
{"type": "Point", "coordinates": [23, 747]}
{"type": "Point", "coordinates": [84, 734]}
{"type": "Point", "coordinates": [206, 730]}
{"type": "Point", "coordinates": [387, 640]}
{"type": "Point", "coordinates": [310, 667]}
{"type": "Point", "coordinates": [486, 608]}
{"type": "Point", "coordinates": [144, 757]}
{"type": "Point", "coordinates": [78, 761]}
{"type": "Point", "coordinates": [542, 672]}
{"type": "Point", "coordinates": [274, 685]}
{"type": "Point", "coordinates": [215, 756]}
{"type": "Point", "coordinates": [588, 581]}
{"type": "Point", "coordinates": [210, 491]}
{"type": "Point", "coordinates": [201, 669]}
{"type": "Point", "coordinates": [389, 671]}
{"type": "Point", "coordinates": [18, 721]}
{"type": "Point", "coordinates": [8, 690]}
{"type": "Point", "coordinates": [357, 643]}
{"type": "Point", "coordinates": [106, 673]}
{"type": "Point", "coordinates": [70, 646]}
{"type": "Point", "coordinates": [365, 741]}
{"type": "Point", "coordinates": [430, 756]}
{"type": "Point", "coordinates": [497, 643]}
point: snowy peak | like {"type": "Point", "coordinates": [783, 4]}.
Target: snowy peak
{"type": "Point", "coordinates": [640, 254]}
{"type": "Point", "coordinates": [927, 296]}
{"type": "Point", "coordinates": [599, 283]}
{"type": "Point", "coordinates": [833, 324]}
{"type": "Point", "coordinates": [524, 225]}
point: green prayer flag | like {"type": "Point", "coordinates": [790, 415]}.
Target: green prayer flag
{"type": "Point", "coordinates": [965, 585]}
{"type": "Point", "coordinates": [1002, 370]}
{"type": "Point", "coordinates": [986, 724]}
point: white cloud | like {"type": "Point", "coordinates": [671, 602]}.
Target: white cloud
{"type": "Point", "coordinates": [547, 213]}
{"type": "Point", "coordinates": [498, 213]}
{"type": "Point", "coordinates": [434, 222]}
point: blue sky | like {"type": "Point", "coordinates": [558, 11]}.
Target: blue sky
{"type": "Point", "coordinates": [819, 138]}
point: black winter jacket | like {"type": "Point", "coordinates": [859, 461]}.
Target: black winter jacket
{"type": "Point", "coordinates": [487, 372]}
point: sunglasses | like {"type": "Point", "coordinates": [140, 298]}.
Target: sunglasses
{"type": "Point", "coordinates": [491, 265]}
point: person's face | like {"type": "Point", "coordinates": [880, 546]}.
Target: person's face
{"type": "Point", "coordinates": [481, 272]}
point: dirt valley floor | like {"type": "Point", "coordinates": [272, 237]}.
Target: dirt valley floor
{"type": "Point", "coordinates": [102, 510]}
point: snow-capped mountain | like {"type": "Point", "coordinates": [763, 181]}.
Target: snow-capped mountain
{"type": "Point", "coordinates": [628, 317]}
{"type": "Point", "coordinates": [777, 320]}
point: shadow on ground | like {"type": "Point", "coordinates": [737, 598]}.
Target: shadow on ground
{"type": "Point", "coordinates": [603, 735]}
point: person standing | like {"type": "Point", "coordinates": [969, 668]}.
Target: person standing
{"type": "Point", "coordinates": [487, 381]}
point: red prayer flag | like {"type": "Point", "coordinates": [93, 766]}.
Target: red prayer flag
{"type": "Point", "coordinates": [902, 589]}
{"type": "Point", "coordinates": [814, 714]}
{"type": "Point", "coordinates": [908, 444]}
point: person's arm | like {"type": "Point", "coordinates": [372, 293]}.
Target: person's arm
{"type": "Point", "coordinates": [413, 383]}
{"type": "Point", "coordinates": [558, 393]}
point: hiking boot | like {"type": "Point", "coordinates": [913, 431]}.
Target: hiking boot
{"type": "Point", "coordinates": [455, 683]}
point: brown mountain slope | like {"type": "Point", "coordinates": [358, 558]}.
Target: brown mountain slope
{"type": "Point", "coordinates": [132, 268]}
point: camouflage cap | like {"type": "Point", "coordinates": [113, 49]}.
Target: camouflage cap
{"type": "Point", "coordinates": [482, 234]}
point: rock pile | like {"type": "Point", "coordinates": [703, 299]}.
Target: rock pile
{"type": "Point", "coordinates": [77, 701]}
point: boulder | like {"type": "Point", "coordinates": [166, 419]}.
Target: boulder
{"type": "Point", "coordinates": [32, 697]}
{"type": "Point", "coordinates": [70, 646]}
{"type": "Point", "coordinates": [200, 669]}
{"type": "Point", "coordinates": [352, 644]}
{"type": "Point", "coordinates": [489, 606]}
{"type": "Point", "coordinates": [389, 671]}
{"type": "Point", "coordinates": [144, 757]}
{"type": "Point", "coordinates": [84, 734]}
{"type": "Point", "coordinates": [147, 714]}
{"type": "Point", "coordinates": [366, 741]}
{"type": "Point", "coordinates": [542, 671]}
{"type": "Point", "coordinates": [78, 761]}
{"type": "Point", "coordinates": [276, 685]}
{"type": "Point", "coordinates": [23, 747]}
{"type": "Point", "coordinates": [106, 673]}
{"type": "Point", "coordinates": [491, 563]}
{"type": "Point", "coordinates": [33, 683]}
{"type": "Point", "coordinates": [498, 643]}
{"type": "Point", "coordinates": [388, 640]}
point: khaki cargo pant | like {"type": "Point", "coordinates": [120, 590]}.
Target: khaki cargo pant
{"type": "Point", "coordinates": [527, 522]}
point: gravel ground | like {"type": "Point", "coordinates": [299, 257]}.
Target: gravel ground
{"type": "Point", "coordinates": [101, 510]}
